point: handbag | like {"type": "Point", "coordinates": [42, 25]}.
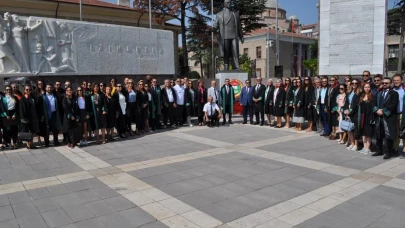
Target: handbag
{"type": "Point", "coordinates": [25, 136]}
{"type": "Point", "coordinates": [346, 125]}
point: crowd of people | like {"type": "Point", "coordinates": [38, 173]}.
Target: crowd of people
{"type": "Point", "coordinates": [97, 110]}
{"type": "Point", "coordinates": [372, 106]}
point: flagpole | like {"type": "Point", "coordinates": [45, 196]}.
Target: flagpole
{"type": "Point", "coordinates": [80, 7]}
{"type": "Point", "coordinates": [212, 39]}
{"type": "Point", "coordinates": [150, 14]}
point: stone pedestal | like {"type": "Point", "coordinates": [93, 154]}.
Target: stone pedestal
{"type": "Point", "coordinates": [237, 80]}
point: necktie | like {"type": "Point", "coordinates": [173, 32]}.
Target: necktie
{"type": "Point", "coordinates": [247, 88]}
{"type": "Point", "coordinates": [216, 97]}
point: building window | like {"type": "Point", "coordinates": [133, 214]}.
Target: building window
{"type": "Point", "coordinates": [393, 51]}
{"type": "Point", "coordinates": [246, 51]}
{"type": "Point", "coordinates": [259, 52]}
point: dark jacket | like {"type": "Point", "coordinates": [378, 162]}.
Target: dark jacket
{"type": "Point", "coordinates": [246, 99]}
{"type": "Point", "coordinates": [165, 98]}
{"type": "Point", "coordinates": [386, 125]}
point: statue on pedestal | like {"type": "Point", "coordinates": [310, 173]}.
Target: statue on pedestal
{"type": "Point", "coordinates": [230, 32]}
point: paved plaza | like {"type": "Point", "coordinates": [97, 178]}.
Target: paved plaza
{"type": "Point", "coordinates": [236, 176]}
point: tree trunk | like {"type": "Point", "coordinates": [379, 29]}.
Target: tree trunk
{"type": "Point", "coordinates": [184, 38]}
{"type": "Point", "coordinates": [201, 67]}
{"type": "Point", "coordinates": [401, 48]}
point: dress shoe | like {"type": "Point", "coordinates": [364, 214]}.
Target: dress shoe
{"type": "Point", "coordinates": [261, 124]}
{"type": "Point", "coordinates": [322, 134]}
{"type": "Point", "coordinates": [251, 123]}
{"type": "Point", "coordinates": [244, 123]}
{"type": "Point", "coordinates": [377, 154]}
{"type": "Point", "coordinates": [326, 135]}
{"type": "Point", "coordinates": [256, 123]}
{"type": "Point", "coordinates": [387, 156]}
{"type": "Point", "coordinates": [230, 122]}
{"type": "Point", "coordinates": [332, 137]}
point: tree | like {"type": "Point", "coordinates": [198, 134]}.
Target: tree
{"type": "Point", "coordinates": [175, 9]}
{"type": "Point", "coordinates": [311, 64]}
{"type": "Point", "coordinates": [314, 49]}
{"type": "Point", "coordinates": [245, 63]}
{"type": "Point", "coordinates": [249, 12]}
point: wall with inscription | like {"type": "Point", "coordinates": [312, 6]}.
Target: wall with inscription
{"type": "Point", "coordinates": [352, 36]}
{"type": "Point", "coordinates": [45, 46]}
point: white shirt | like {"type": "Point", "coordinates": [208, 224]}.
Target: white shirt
{"type": "Point", "coordinates": [149, 96]}
{"type": "Point", "coordinates": [179, 94]}
{"type": "Point", "coordinates": [170, 95]}
{"type": "Point", "coordinates": [123, 104]}
{"type": "Point", "coordinates": [81, 102]}
{"type": "Point", "coordinates": [210, 107]}
{"type": "Point", "coordinates": [400, 92]}
{"type": "Point", "coordinates": [10, 103]}
{"type": "Point", "coordinates": [275, 95]}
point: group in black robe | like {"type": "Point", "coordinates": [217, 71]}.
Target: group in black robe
{"type": "Point", "coordinates": [268, 108]}
{"type": "Point", "coordinates": [258, 107]}
{"type": "Point", "coordinates": [69, 123]}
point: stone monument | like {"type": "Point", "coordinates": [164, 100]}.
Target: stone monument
{"type": "Point", "coordinates": [45, 46]}
{"type": "Point", "coordinates": [352, 36]}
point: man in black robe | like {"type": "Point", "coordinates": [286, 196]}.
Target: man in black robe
{"type": "Point", "coordinates": [385, 107]}
{"type": "Point", "coordinates": [169, 100]}
{"type": "Point", "coordinates": [228, 99]}
{"type": "Point", "coordinates": [258, 101]}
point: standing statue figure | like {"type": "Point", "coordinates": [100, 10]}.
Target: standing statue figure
{"type": "Point", "coordinates": [230, 32]}
{"type": "Point", "coordinates": [19, 34]}
{"type": "Point", "coordinates": [5, 49]}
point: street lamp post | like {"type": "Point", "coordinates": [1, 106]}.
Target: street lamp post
{"type": "Point", "coordinates": [80, 8]}
{"type": "Point", "coordinates": [212, 39]}
{"type": "Point", "coordinates": [267, 52]}
{"type": "Point", "coordinates": [277, 43]}
{"type": "Point", "coordinates": [150, 14]}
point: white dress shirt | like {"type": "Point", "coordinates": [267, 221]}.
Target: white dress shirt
{"type": "Point", "coordinates": [123, 104]}
{"type": "Point", "coordinates": [170, 95]}
{"type": "Point", "coordinates": [210, 107]}
{"type": "Point", "coordinates": [10, 103]}
{"type": "Point", "coordinates": [275, 95]}
{"type": "Point", "coordinates": [180, 94]}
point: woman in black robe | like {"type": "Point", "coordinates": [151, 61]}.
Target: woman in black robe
{"type": "Point", "coordinates": [277, 102]}
{"type": "Point", "coordinates": [121, 110]}
{"type": "Point", "coordinates": [28, 114]}
{"type": "Point", "coordinates": [9, 114]}
{"type": "Point", "coordinates": [332, 93]}
{"type": "Point", "coordinates": [350, 110]}
{"type": "Point", "coordinates": [268, 96]}
{"type": "Point", "coordinates": [37, 94]}
{"type": "Point", "coordinates": [288, 103]}
{"type": "Point", "coordinates": [82, 108]}
{"type": "Point", "coordinates": [69, 117]}
{"type": "Point", "coordinates": [299, 106]}
{"type": "Point", "coordinates": [309, 101]}
{"type": "Point", "coordinates": [189, 101]}
{"type": "Point", "coordinates": [366, 122]}
{"type": "Point", "coordinates": [142, 102]}
{"type": "Point", "coordinates": [98, 112]}
{"type": "Point", "coordinates": [111, 116]}
{"type": "Point", "coordinates": [201, 99]}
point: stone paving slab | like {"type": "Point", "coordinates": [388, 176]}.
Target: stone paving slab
{"type": "Point", "coordinates": [238, 176]}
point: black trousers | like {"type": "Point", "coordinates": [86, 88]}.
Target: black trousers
{"type": "Point", "coordinates": [54, 128]}
{"type": "Point", "coordinates": [170, 113]}
{"type": "Point", "coordinates": [213, 119]}
{"type": "Point", "coordinates": [10, 133]}
{"type": "Point", "coordinates": [179, 117]}
{"type": "Point", "coordinates": [121, 124]}
{"type": "Point", "coordinates": [261, 120]}
{"type": "Point", "coordinates": [248, 109]}
{"type": "Point", "coordinates": [227, 110]}
{"type": "Point", "coordinates": [389, 144]}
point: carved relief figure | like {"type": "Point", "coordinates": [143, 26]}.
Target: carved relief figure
{"type": "Point", "coordinates": [65, 45]}
{"type": "Point", "coordinates": [5, 49]}
{"type": "Point", "coordinates": [20, 42]}
{"type": "Point", "coordinates": [49, 61]}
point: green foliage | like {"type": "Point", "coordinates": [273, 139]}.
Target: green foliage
{"type": "Point", "coordinates": [249, 12]}
{"type": "Point", "coordinates": [245, 63]}
{"type": "Point", "coordinates": [311, 64]}
{"type": "Point", "coordinates": [194, 75]}
{"type": "Point", "coordinates": [314, 49]}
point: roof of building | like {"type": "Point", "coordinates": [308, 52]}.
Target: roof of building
{"type": "Point", "coordinates": [272, 4]}
{"type": "Point", "coordinates": [308, 26]}
{"type": "Point", "coordinates": [259, 32]}
{"type": "Point", "coordinates": [96, 3]}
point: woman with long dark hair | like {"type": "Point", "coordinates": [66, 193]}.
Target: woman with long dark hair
{"type": "Point", "coordinates": [132, 107]}
{"type": "Point", "coordinates": [28, 114]}
{"type": "Point", "coordinates": [142, 100]}
{"type": "Point", "coordinates": [98, 112]}
{"type": "Point", "coordinates": [288, 103]}
{"type": "Point", "coordinates": [82, 103]}
{"type": "Point", "coordinates": [309, 99]}
{"type": "Point", "coordinates": [350, 111]}
{"type": "Point", "coordinates": [9, 118]}
{"type": "Point", "coordinates": [332, 93]}
{"type": "Point", "coordinates": [69, 117]}
{"type": "Point", "coordinates": [111, 116]}
{"type": "Point", "coordinates": [298, 105]}
{"type": "Point", "coordinates": [37, 94]}
{"type": "Point", "coordinates": [277, 102]}
{"type": "Point", "coordinates": [190, 101]}
{"type": "Point", "coordinates": [366, 122]}
{"type": "Point", "coordinates": [201, 99]}
{"type": "Point", "coordinates": [121, 110]}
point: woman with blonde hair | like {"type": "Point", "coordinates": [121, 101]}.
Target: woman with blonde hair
{"type": "Point", "coordinates": [350, 111]}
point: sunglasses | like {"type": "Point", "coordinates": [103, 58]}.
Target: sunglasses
{"type": "Point", "coordinates": [67, 85]}
{"type": "Point", "coordinates": [366, 75]}
{"type": "Point", "coordinates": [342, 88]}
{"type": "Point", "coordinates": [27, 89]}
{"type": "Point", "coordinates": [325, 81]}
{"type": "Point", "coordinates": [385, 83]}
{"type": "Point", "coordinates": [377, 80]}
{"type": "Point", "coordinates": [178, 81]}
{"type": "Point", "coordinates": [57, 84]}
{"type": "Point", "coordinates": [119, 86]}
{"type": "Point", "coordinates": [141, 84]}
{"type": "Point", "coordinates": [347, 80]}
{"type": "Point", "coordinates": [332, 80]}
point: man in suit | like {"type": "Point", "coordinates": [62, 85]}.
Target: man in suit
{"type": "Point", "coordinates": [228, 98]}
{"type": "Point", "coordinates": [214, 93]}
{"type": "Point", "coordinates": [246, 99]}
{"type": "Point", "coordinates": [258, 101]}
{"type": "Point", "coordinates": [169, 100]}
{"type": "Point", "coordinates": [385, 106]}
{"type": "Point", "coordinates": [230, 31]}
{"type": "Point", "coordinates": [157, 100]}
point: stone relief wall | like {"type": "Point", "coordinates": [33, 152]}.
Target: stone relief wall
{"type": "Point", "coordinates": [45, 46]}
